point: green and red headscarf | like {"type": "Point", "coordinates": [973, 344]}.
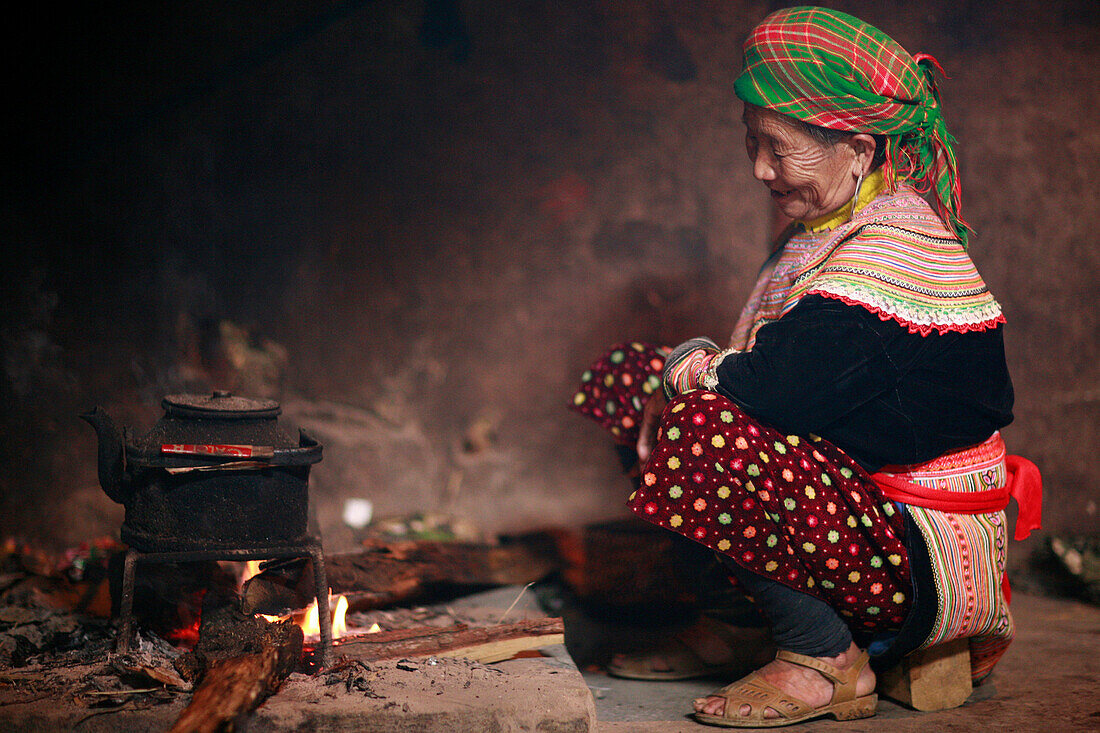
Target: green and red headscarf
{"type": "Point", "coordinates": [831, 69]}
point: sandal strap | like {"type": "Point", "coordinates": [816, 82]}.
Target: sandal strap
{"type": "Point", "coordinates": [844, 680]}
{"type": "Point", "coordinates": [759, 695]}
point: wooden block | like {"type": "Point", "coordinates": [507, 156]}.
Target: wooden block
{"type": "Point", "coordinates": [937, 678]}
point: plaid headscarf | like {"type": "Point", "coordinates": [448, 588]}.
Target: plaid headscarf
{"type": "Point", "coordinates": [833, 70]}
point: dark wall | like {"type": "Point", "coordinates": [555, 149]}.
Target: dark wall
{"type": "Point", "coordinates": [415, 230]}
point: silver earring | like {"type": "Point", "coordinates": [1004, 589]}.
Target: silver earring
{"type": "Point", "coordinates": [855, 197]}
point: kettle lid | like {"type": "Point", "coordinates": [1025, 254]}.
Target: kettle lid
{"type": "Point", "coordinates": [219, 405]}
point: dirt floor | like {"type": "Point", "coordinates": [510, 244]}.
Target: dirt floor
{"type": "Point", "coordinates": [90, 687]}
{"type": "Point", "coordinates": [1046, 681]}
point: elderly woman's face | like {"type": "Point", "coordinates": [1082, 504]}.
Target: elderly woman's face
{"type": "Point", "coordinates": [806, 179]}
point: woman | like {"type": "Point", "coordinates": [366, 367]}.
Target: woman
{"type": "Point", "coordinates": [842, 455]}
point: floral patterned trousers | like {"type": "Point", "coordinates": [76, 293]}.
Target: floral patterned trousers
{"type": "Point", "coordinates": [792, 508]}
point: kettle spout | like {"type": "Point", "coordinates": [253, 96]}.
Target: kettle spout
{"type": "Point", "coordinates": [112, 455]}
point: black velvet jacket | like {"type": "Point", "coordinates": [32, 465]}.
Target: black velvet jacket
{"type": "Point", "coordinates": [882, 394]}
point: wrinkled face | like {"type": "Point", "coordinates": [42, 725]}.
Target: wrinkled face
{"type": "Point", "coordinates": [806, 179]}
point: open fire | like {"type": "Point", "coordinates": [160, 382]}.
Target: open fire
{"type": "Point", "coordinates": [307, 619]}
{"type": "Point", "coordinates": [215, 479]}
{"type": "Point", "coordinates": [312, 628]}
{"type": "Point", "coordinates": [231, 661]}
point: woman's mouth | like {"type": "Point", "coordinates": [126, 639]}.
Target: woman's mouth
{"type": "Point", "coordinates": [779, 194]}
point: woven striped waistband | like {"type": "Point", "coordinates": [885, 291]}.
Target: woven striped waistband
{"type": "Point", "coordinates": [976, 480]}
{"type": "Point", "coordinates": [980, 467]}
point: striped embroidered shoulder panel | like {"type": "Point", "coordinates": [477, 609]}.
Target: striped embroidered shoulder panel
{"type": "Point", "coordinates": [899, 261]}
{"type": "Point", "coordinates": [895, 258]}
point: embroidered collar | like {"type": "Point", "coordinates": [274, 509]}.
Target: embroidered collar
{"type": "Point", "coordinates": [897, 260]}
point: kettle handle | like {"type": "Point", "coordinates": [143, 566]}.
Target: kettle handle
{"type": "Point", "coordinates": [220, 451]}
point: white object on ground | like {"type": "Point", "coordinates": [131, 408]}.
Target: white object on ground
{"type": "Point", "coordinates": [358, 512]}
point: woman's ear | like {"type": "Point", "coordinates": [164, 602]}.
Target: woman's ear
{"type": "Point", "coordinates": [863, 145]}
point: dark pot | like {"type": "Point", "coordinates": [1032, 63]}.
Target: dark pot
{"type": "Point", "coordinates": [215, 472]}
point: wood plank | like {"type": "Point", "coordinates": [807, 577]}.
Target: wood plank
{"type": "Point", "coordinates": [482, 643]}
{"type": "Point", "coordinates": [497, 651]}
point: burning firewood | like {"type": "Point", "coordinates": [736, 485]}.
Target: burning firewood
{"type": "Point", "coordinates": [231, 688]}
{"type": "Point", "coordinates": [241, 660]}
{"type": "Point", "coordinates": [388, 573]}
{"type": "Point", "coordinates": [226, 632]}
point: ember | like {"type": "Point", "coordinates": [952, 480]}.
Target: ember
{"type": "Point", "coordinates": [184, 636]}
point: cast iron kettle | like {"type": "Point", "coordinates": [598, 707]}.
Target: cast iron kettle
{"type": "Point", "coordinates": [214, 473]}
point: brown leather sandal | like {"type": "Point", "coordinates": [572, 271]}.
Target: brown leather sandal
{"type": "Point", "coordinates": [760, 695]}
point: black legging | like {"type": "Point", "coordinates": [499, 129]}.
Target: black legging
{"type": "Point", "coordinates": [799, 622]}
{"type": "Point", "coordinates": [807, 625]}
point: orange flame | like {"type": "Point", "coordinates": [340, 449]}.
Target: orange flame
{"type": "Point", "coordinates": [311, 626]}
{"type": "Point", "coordinates": [309, 622]}
{"type": "Point", "coordinates": [339, 625]}
{"type": "Point", "coordinates": [251, 567]}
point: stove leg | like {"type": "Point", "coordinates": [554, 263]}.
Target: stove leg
{"type": "Point", "coordinates": [126, 605]}
{"type": "Point", "coordinates": [324, 620]}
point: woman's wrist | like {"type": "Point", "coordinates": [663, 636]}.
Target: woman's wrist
{"type": "Point", "coordinates": [686, 365]}
{"type": "Point", "coordinates": [685, 376]}
{"type": "Point", "coordinates": [708, 380]}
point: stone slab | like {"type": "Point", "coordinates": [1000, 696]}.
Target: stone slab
{"type": "Point", "coordinates": [545, 694]}
{"type": "Point", "coordinates": [451, 696]}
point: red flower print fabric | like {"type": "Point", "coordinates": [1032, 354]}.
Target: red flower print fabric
{"type": "Point", "coordinates": [615, 389]}
{"type": "Point", "coordinates": [792, 508]}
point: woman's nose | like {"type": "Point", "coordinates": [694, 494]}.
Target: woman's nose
{"type": "Point", "coordinates": [762, 169]}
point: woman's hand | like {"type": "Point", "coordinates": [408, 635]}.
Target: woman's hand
{"type": "Point", "coordinates": [651, 418]}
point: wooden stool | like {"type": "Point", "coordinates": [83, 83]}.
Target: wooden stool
{"type": "Point", "coordinates": [937, 678]}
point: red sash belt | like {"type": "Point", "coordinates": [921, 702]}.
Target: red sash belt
{"type": "Point", "coordinates": [1024, 484]}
